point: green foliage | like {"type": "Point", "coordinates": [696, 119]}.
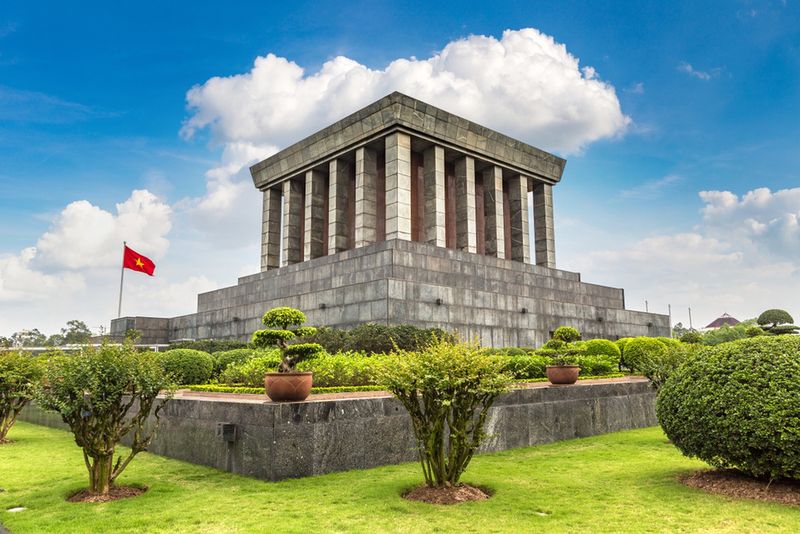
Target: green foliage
{"type": "Point", "coordinates": [693, 337]}
{"type": "Point", "coordinates": [19, 373]}
{"type": "Point", "coordinates": [567, 334]}
{"type": "Point", "coordinates": [94, 392]}
{"type": "Point", "coordinates": [725, 334]}
{"type": "Point", "coordinates": [596, 365]}
{"type": "Point", "coordinates": [76, 332]}
{"type": "Point", "coordinates": [132, 335]}
{"type": "Point", "coordinates": [669, 341]}
{"type": "Point", "coordinates": [209, 345]}
{"type": "Point", "coordinates": [447, 389]}
{"type": "Point", "coordinates": [621, 343]}
{"type": "Point", "coordinates": [641, 349]}
{"type": "Point", "coordinates": [271, 338]}
{"type": "Point", "coordinates": [773, 318]}
{"type": "Point", "coordinates": [603, 347]}
{"type": "Point", "coordinates": [345, 369]}
{"type": "Point", "coordinates": [736, 406]}
{"type": "Point", "coordinates": [28, 338]}
{"type": "Point", "coordinates": [215, 388]}
{"type": "Point", "coordinates": [659, 365]}
{"type": "Point", "coordinates": [187, 366]}
{"type": "Point", "coordinates": [303, 351]}
{"type": "Point", "coordinates": [754, 331]}
{"type": "Point", "coordinates": [225, 358]}
{"type": "Point", "coordinates": [527, 367]}
{"type": "Point", "coordinates": [377, 338]}
{"type": "Point", "coordinates": [252, 371]}
{"type": "Point", "coordinates": [554, 345]}
{"type": "Point", "coordinates": [283, 318]}
{"type": "Point", "coordinates": [783, 329]}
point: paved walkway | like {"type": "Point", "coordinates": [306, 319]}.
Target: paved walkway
{"type": "Point", "coordinates": [254, 398]}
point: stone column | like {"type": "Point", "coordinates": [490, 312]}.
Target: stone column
{"type": "Point", "coordinates": [518, 203]}
{"type": "Point", "coordinates": [434, 216]}
{"type": "Point", "coordinates": [466, 236]}
{"type": "Point", "coordinates": [398, 186]}
{"type": "Point", "coordinates": [493, 212]}
{"type": "Point", "coordinates": [366, 195]}
{"type": "Point", "coordinates": [543, 228]}
{"type": "Point", "coordinates": [292, 222]}
{"type": "Point", "coordinates": [271, 229]}
{"type": "Point", "coordinates": [337, 206]}
{"type": "Point", "coordinates": [313, 243]}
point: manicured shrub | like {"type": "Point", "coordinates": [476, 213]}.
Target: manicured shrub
{"type": "Point", "coordinates": [603, 347]}
{"type": "Point", "coordinates": [669, 341]}
{"type": "Point", "coordinates": [187, 366]}
{"type": "Point", "coordinates": [377, 338]}
{"type": "Point", "coordinates": [210, 345]}
{"type": "Point", "coordinates": [225, 358]}
{"type": "Point", "coordinates": [447, 389]}
{"type": "Point", "coordinates": [736, 406]}
{"type": "Point", "coordinates": [640, 349]}
{"type": "Point", "coordinates": [284, 325]}
{"type": "Point", "coordinates": [754, 331]}
{"type": "Point", "coordinates": [19, 373]}
{"type": "Point", "coordinates": [596, 365]}
{"type": "Point", "coordinates": [554, 345]}
{"type": "Point", "coordinates": [251, 372]}
{"type": "Point", "coordinates": [621, 342]}
{"type": "Point", "coordinates": [692, 337]}
{"type": "Point", "coordinates": [344, 369]}
{"type": "Point", "coordinates": [94, 392]}
{"type": "Point", "coordinates": [772, 318]}
{"type": "Point", "coordinates": [567, 334]}
{"type": "Point", "coordinates": [527, 367]}
{"type": "Point", "coordinates": [659, 365]}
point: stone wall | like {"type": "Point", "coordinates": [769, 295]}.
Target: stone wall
{"type": "Point", "coordinates": [504, 303]}
{"type": "Point", "coordinates": [278, 441]}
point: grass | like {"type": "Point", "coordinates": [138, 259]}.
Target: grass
{"type": "Point", "coordinates": [622, 482]}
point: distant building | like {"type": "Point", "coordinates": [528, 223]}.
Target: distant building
{"type": "Point", "coordinates": [722, 320]}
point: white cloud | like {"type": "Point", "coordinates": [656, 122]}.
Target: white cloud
{"type": "Point", "coordinates": [740, 258]}
{"type": "Point", "coordinates": [636, 89]}
{"type": "Point", "coordinates": [20, 282]}
{"type": "Point", "coordinates": [84, 235]}
{"type": "Point", "coordinates": [524, 84]}
{"type": "Point", "coordinates": [699, 74]}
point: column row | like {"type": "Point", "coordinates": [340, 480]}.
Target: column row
{"type": "Point", "coordinates": [327, 213]}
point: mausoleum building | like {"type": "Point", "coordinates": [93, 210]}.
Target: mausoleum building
{"type": "Point", "coordinates": [403, 213]}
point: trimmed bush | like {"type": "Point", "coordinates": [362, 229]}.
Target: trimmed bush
{"type": "Point", "coordinates": [187, 366]}
{"type": "Point", "coordinates": [209, 345]}
{"type": "Point", "coordinates": [772, 318]}
{"type": "Point", "coordinates": [377, 338]}
{"type": "Point", "coordinates": [693, 337]}
{"type": "Point", "coordinates": [19, 373]}
{"type": "Point", "coordinates": [448, 390]}
{"type": "Point", "coordinates": [346, 369]}
{"type": "Point", "coordinates": [285, 324]}
{"type": "Point", "coordinates": [603, 347]}
{"type": "Point", "coordinates": [528, 367]}
{"type": "Point", "coordinates": [596, 365]}
{"type": "Point", "coordinates": [736, 406]}
{"type": "Point", "coordinates": [754, 331]}
{"type": "Point", "coordinates": [641, 349]}
{"type": "Point", "coordinates": [669, 341]}
{"type": "Point", "coordinates": [251, 372]}
{"type": "Point", "coordinates": [567, 334]}
{"type": "Point", "coordinates": [658, 366]}
{"type": "Point", "coordinates": [621, 343]}
{"type": "Point", "coordinates": [225, 358]}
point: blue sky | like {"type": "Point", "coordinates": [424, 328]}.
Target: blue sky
{"type": "Point", "coordinates": [93, 98]}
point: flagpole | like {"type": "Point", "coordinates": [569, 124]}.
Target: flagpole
{"type": "Point", "coordinates": [121, 278]}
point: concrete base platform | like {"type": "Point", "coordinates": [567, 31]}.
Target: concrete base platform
{"type": "Point", "coordinates": [502, 302]}
{"type": "Point", "coordinates": [275, 441]}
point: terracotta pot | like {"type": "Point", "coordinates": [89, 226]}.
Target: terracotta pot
{"type": "Point", "coordinates": [288, 387]}
{"type": "Point", "coordinates": [562, 374]}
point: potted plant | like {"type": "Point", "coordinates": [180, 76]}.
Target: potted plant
{"type": "Point", "coordinates": [563, 370]}
{"type": "Point", "coordinates": [284, 325]}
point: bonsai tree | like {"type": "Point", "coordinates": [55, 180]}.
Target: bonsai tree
{"type": "Point", "coordinates": [447, 389]}
{"type": "Point", "coordinates": [777, 322]}
{"type": "Point", "coordinates": [95, 393]}
{"type": "Point", "coordinates": [567, 334]}
{"type": "Point", "coordinates": [18, 375]}
{"type": "Point", "coordinates": [284, 325]}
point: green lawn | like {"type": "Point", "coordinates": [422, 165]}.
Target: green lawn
{"type": "Point", "coordinates": [623, 482]}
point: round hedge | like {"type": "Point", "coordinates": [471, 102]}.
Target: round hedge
{"type": "Point", "coordinates": [187, 366]}
{"type": "Point", "coordinates": [603, 347]}
{"type": "Point", "coordinates": [736, 405]}
{"type": "Point", "coordinates": [225, 358]}
{"type": "Point", "coordinates": [567, 334]}
{"type": "Point", "coordinates": [641, 349]}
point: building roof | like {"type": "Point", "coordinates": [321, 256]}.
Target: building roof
{"type": "Point", "coordinates": [400, 112]}
{"type": "Point", "coordinates": [722, 320]}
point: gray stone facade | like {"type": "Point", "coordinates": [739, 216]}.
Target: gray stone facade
{"type": "Point", "coordinates": [285, 440]}
{"type": "Point", "coordinates": [403, 213]}
{"type": "Point", "coordinates": [504, 303]}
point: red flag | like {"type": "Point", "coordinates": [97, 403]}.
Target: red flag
{"type": "Point", "coordinates": [136, 262]}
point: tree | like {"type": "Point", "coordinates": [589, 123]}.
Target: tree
{"type": "Point", "coordinates": [76, 332]}
{"type": "Point", "coordinates": [28, 338]}
{"type": "Point", "coordinates": [777, 322]}
{"type": "Point", "coordinates": [56, 340]}
{"type": "Point", "coordinates": [6, 342]}
{"type": "Point", "coordinates": [18, 375]}
{"type": "Point", "coordinates": [447, 389]}
{"type": "Point", "coordinates": [285, 324]}
{"type": "Point", "coordinates": [679, 330]}
{"type": "Point", "coordinates": [95, 393]}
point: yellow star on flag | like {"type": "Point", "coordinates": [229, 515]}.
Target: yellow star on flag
{"type": "Point", "coordinates": [139, 262]}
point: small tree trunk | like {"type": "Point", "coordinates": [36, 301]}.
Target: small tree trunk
{"type": "Point", "coordinates": [100, 474]}
{"type": "Point", "coordinates": [6, 422]}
